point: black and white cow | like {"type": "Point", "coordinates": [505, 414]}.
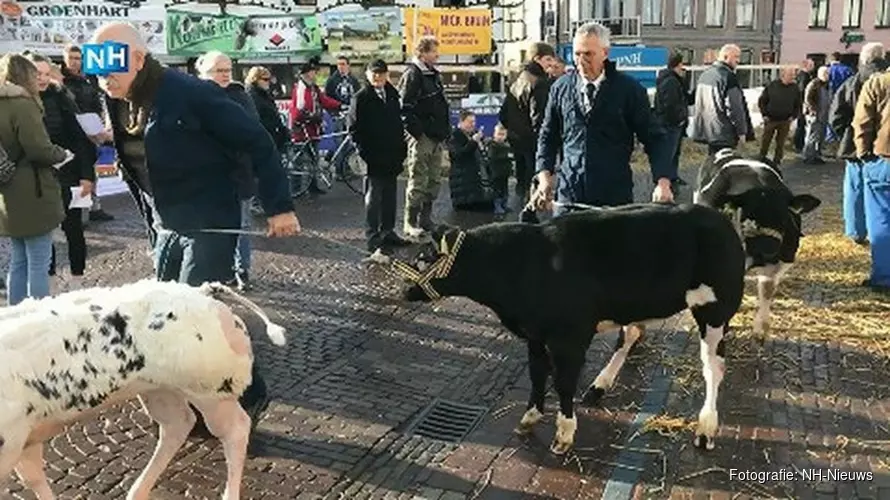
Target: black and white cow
{"type": "Point", "coordinates": [766, 214]}
{"type": "Point", "coordinates": [554, 284]}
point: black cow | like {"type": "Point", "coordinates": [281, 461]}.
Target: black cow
{"type": "Point", "coordinates": [766, 214]}
{"type": "Point", "coordinates": [554, 284]}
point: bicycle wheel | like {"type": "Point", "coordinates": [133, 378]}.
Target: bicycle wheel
{"type": "Point", "coordinates": [355, 172]}
{"type": "Point", "coordinates": [297, 174]}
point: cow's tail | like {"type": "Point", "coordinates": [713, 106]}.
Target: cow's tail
{"type": "Point", "coordinates": [274, 331]}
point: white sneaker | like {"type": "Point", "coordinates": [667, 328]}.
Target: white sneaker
{"type": "Point", "coordinates": [378, 257]}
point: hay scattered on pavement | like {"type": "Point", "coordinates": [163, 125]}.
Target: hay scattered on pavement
{"type": "Point", "coordinates": [667, 425]}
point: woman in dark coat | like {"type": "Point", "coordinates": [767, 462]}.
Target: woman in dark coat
{"type": "Point", "coordinates": [61, 124]}
{"type": "Point", "coordinates": [465, 179]}
{"type": "Point", "coordinates": [257, 81]}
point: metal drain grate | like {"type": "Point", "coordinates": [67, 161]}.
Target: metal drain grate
{"type": "Point", "coordinates": [447, 421]}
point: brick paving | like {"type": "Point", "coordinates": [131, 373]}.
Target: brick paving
{"type": "Point", "coordinates": [360, 366]}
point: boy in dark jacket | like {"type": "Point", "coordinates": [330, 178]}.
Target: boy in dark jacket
{"type": "Point", "coordinates": [499, 162]}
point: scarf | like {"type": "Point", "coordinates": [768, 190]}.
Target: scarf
{"type": "Point", "coordinates": [141, 95]}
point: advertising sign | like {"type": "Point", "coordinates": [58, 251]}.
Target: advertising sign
{"type": "Point", "coordinates": [626, 58]}
{"type": "Point", "coordinates": [362, 35]}
{"type": "Point", "coordinates": [459, 31]}
{"type": "Point", "coordinates": [239, 35]}
{"type": "Point", "coordinates": [46, 27]}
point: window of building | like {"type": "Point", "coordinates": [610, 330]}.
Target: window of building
{"type": "Point", "coordinates": [652, 15]}
{"type": "Point", "coordinates": [852, 13]}
{"type": "Point", "coordinates": [687, 53]}
{"type": "Point", "coordinates": [744, 13]}
{"type": "Point", "coordinates": [715, 11]}
{"type": "Point", "coordinates": [819, 14]}
{"type": "Point", "coordinates": [882, 17]}
{"type": "Point", "coordinates": [747, 56]}
{"type": "Point", "coordinates": [684, 12]}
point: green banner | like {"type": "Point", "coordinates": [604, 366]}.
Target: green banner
{"type": "Point", "coordinates": [193, 33]}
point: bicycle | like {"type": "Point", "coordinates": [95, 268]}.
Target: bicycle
{"type": "Point", "coordinates": [298, 156]}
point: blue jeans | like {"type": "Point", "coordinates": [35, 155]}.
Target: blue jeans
{"type": "Point", "coordinates": [194, 258]}
{"type": "Point", "coordinates": [242, 251]}
{"type": "Point", "coordinates": [29, 268]}
{"type": "Point", "coordinates": [876, 176]}
{"type": "Point", "coordinates": [854, 202]}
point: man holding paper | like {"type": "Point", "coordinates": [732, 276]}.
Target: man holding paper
{"type": "Point", "coordinates": [87, 96]}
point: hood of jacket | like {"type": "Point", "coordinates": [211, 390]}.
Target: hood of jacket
{"type": "Point", "coordinates": [662, 74]}
{"type": "Point", "coordinates": [11, 90]}
{"type": "Point", "coordinates": [235, 86]}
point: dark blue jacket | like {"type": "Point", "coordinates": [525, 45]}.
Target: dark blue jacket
{"type": "Point", "coordinates": [596, 149]}
{"type": "Point", "coordinates": [193, 138]}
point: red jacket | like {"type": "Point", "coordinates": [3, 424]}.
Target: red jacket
{"type": "Point", "coordinates": [306, 102]}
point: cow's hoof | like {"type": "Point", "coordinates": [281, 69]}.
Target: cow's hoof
{"type": "Point", "coordinates": [558, 448]}
{"type": "Point", "coordinates": [593, 396]}
{"type": "Point", "coordinates": [703, 442]}
{"type": "Point", "coordinates": [708, 422]}
{"type": "Point", "coordinates": [527, 424]}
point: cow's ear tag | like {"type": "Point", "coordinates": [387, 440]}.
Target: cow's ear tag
{"type": "Point", "coordinates": [443, 245]}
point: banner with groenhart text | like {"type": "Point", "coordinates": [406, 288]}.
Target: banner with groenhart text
{"type": "Point", "coordinates": [459, 31]}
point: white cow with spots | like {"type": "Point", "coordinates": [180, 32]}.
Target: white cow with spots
{"type": "Point", "coordinates": [66, 358]}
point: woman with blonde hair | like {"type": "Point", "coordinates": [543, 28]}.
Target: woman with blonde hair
{"type": "Point", "coordinates": [258, 87]}
{"type": "Point", "coordinates": [30, 200]}
{"type": "Point", "coordinates": [60, 119]}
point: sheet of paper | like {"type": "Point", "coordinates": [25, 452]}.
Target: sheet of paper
{"type": "Point", "coordinates": [78, 201]}
{"type": "Point", "coordinates": [68, 157]}
{"type": "Point", "coordinates": [91, 123]}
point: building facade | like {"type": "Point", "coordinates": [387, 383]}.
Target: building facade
{"type": "Point", "coordinates": [696, 27]}
{"type": "Point", "coordinates": [818, 28]}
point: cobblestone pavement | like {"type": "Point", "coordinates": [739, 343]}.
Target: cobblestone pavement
{"type": "Point", "coordinates": [360, 367]}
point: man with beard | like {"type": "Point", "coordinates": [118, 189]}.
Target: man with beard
{"type": "Point", "coordinates": [523, 112]}
{"type": "Point", "coordinates": [840, 118]}
{"type": "Point", "coordinates": [178, 141]}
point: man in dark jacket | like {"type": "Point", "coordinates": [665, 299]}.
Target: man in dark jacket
{"type": "Point", "coordinates": [465, 178]}
{"type": "Point", "coordinates": [87, 98]}
{"type": "Point", "coordinates": [721, 118]}
{"type": "Point", "coordinates": [779, 104]}
{"type": "Point", "coordinates": [523, 112]}
{"type": "Point", "coordinates": [840, 118]}
{"type": "Point", "coordinates": [375, 125]}
{"type": "Point", "coordinates": [593, 116]}
{"type": "Point", "coordinates": [341, 85]}
{"type": "Point", "coordinates": [427, 122]}
{"type": "Point", "coordinates": [217, 67]}
{"type": "Point", "coordinates": [804, 76]}
{"type": "Point", "coordinates": [672, 106]}
{"type": "Point", "coordinates": [181, 171]}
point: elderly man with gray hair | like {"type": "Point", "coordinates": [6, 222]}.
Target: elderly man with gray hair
{"type": "Point", "coordinates": [592, 119]}
{"type": "Point", "coordinates": [721, 118]}
{"type": "Point", "coordinates": [840, 118]}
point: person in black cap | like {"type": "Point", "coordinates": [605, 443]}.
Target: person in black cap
{"type": "Point", "coordinates": [306, 105]}
{"type": "Point", "coordinates": [376, 127]}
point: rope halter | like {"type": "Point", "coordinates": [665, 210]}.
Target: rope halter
{"type": "Point", "coordinates": [437, 270]}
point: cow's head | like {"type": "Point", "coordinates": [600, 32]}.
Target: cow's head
{"type": "Point", "coordinates": [431, 269]}
{"type": "Point", "coordinates": [769, 222]}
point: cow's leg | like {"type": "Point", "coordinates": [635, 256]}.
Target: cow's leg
{"type": "Point", "coordinates": [767, 281]}
{"type": "Point", "coordinates": [567, 364]}
{"type": "Point", "coordinates": [32, 474]}
{"type": "Point", "coordinates": [713, 368]}
{"type": "Point", "coordinates": [228, 421]}
{"type": "Point", "coordinates": [175, 420]}
{"type": "Point", "coordinates": [12, 440]}
{"type": "Point", "coordinates": [539, 370]}
{"type": "Point", "coordinates": [627, 338]}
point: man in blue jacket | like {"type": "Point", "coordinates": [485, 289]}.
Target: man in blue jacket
{"type": "Point", "coordinates": [179, 141]}
{"type": "Point", "coordinates": [592, 116]}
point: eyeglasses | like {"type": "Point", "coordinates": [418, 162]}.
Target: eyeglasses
{"type": "Point", "coordinates": [223, 71]}
{"type": "Point", "coordinates": [265, 79]}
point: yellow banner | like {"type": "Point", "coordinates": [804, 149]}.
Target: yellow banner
{"type": "Point", "coordinates": [459, 31]}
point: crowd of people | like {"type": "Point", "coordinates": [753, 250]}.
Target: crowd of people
{"type": "Point", "coordinates": [566, 137]}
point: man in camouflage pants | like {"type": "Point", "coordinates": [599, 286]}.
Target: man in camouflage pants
{"type": "Point", "coordinates": [426, 116]}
